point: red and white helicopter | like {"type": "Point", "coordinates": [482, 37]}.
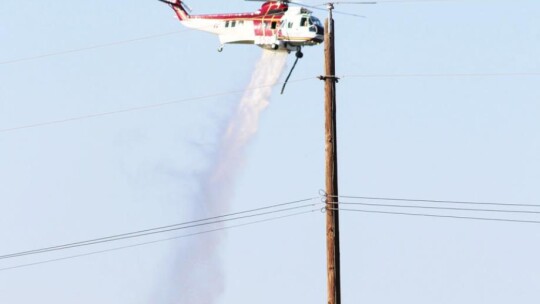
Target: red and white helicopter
{"type": "Point", "coordinates": [275, 26]}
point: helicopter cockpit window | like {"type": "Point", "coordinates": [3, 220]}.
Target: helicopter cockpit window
{"type": "Point", "coordinates": [315, 21]}
{"type": "Point", "coordinates": [274, 25]}
{"type": "Point", "coordinates": [303, 21]}
{"type": "Point", "coordinates": [312, 27]}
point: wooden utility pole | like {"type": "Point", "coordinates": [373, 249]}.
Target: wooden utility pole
{"type": "Point", "coordinates": [332, 213]}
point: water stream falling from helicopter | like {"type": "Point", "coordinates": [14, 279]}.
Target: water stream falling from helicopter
{"type": "Point", "coordinates": [200, 279]}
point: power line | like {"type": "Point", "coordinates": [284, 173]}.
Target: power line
{"type": "Point", "coordinates": [441, 75]}
{"type": "Point", "coordinates": [234, 92]}
{"type": "Point", "coordinates": [99, 46]}
{"type": "Point", "coordinates": [104, 45]}
{"type": "Point", "coordinates": [168, 228]}
{"type": "Point", "coordinates": [442, 216]}
{"type": "Point", "coordinates": [439, 208]}
{"type": "Point", "coordinates": [101, 114]}
{"type": "Point", "coordinates": [143, 107]}
{"type": "Point", "coordinates": [437, 201]}
{"type": "Point", "coordinates": [159, 35]}
{"type": "Point", "coordinates": [158, 241]}
{"type": "Point", "coordinates": [93, 47]}
{"type": "Point", "coordinates": [426, 1]}
{"type": "Point", "coordinates": [153, 231]}
{"type": "Point", "coordinates": [161, 227]}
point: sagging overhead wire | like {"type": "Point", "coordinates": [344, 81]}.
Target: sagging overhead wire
{"type": "Point", "coordinates": [174, 227]}
{"type": "Point", "coordinates": [324, 7]}
{"type": "Point", "coordinates": [236, 92]}
{"type": "Point", "coordinates": [508, 208]}
{"type": "Point", "coordinates": [144, 107]}
{"type": "Point", "coordinates": [159, 35]}
{"type": "Point", "coordinates": [436, 201]}
{"type": "Point", "coordinates": [92, 47]}
{"type": "Point", "coordinates": [441, 75]}
{"type": "Point", "coordinates": [160, 240]}
{"type": "Point", "coordinates": [420, 1]}
{"type": "Point", "coordinates": [439, 208]}
{"type": "Point", "coordinates": [103, 45]}
{"type": "Point", "coordinates": [441, 216]}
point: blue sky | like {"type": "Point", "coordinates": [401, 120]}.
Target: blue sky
{"type": "Point", "coordinates": [442, 136]}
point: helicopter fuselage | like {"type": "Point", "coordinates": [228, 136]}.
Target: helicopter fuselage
{"type": "Point", "coordinates": [275, 26]}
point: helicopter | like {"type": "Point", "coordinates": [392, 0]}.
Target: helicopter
{"type": "Point", "coordinates": [275, 26]}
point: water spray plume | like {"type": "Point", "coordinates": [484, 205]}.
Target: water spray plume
{"type": "Point", "coordinates": [200, 279]}
{"type": "Point", "coordinates": [244, 124]}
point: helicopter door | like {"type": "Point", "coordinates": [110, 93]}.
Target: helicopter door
{"type": "Point", "coordinates": [266, 28]}
{"type": "Point", "coordinates": [269, 28]}
{"type": "Point", "coordinates": [266, 31]}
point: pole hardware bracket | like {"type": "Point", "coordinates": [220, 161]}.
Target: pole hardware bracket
{"type": "Point", "coordinates": [335, 78]}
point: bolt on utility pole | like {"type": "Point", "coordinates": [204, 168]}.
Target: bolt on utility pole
{"type": "Point", "coordinates": [332, 213]}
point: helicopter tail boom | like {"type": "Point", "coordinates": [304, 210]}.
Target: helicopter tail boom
{"type": "Point", "coordinates": [179, 8]}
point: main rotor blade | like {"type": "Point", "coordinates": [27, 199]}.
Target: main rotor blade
{"type": "Point", "coordinates": [355, 2]}
{"type": "Point", "coordinates": [285, 1]}
{"type": "Point", "coordinates": [324, 9]}
{"type": "Point", "coordinates": [347, 2]}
